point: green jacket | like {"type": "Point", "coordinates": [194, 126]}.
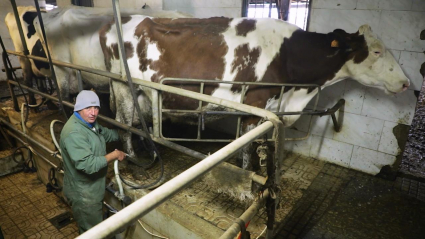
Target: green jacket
{"type": "Point", "coordinates": [83, 151]}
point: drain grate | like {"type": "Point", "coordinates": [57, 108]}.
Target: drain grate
{"type": "Point", "coordinates": [61, 220]}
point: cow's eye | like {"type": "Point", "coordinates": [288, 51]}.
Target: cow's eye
{"type": "Point", "coordinates": [377, 52]}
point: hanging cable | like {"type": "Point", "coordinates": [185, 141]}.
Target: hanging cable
{"type": "Point", "coordinates": [135, 102]}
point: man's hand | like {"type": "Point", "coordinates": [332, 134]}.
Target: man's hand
{"type": "Point", "coordinates": [116, 154]}
{"type": "Point", "coordinates": [120, 154]}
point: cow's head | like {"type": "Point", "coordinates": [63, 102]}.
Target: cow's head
{"type": "Point", "coordinates": [372, 64]}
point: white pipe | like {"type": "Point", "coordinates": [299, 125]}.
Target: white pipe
{"type": "Point", "coordinates": [117, 177]}
{"type": "Point", "coordinates": [234, 229]}
{"type": "Point", "coordinates": [147, 203]}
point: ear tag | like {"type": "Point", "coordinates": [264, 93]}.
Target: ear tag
{"type": "Point", "coordinates": [334, 43]}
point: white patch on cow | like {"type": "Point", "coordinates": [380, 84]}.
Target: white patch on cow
{"type": "Point", "coordinates": [292, 100]}
{"type": "Point", "coordinates": [153, 52]}
{"type": "Point", "coordinates": [224, 92]}
{"type": "Point", "coordinates": [268, 37]}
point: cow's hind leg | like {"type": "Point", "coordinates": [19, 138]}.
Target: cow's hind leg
{"type": "Point", "coordinates": [122, 103]}
{"type": "Point", "coordinates": [248, 159]}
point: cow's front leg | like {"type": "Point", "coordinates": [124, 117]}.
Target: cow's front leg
{"type": "Point", "coordinates": [27, 74]}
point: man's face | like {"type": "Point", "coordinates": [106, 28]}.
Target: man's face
{"type": "Point", "coordinates": [89, 114]}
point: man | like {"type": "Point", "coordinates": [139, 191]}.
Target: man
{"type": "Point", "coordinates": [83, 148]}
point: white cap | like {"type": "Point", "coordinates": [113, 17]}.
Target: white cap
{"type": "Point", "coordinates": [86, 98]}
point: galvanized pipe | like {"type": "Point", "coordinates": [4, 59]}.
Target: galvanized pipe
{"type": "Point", "coordinates": [234, 229]}
{"type": "Point", "coordinates": [33, 141]}
{"type": "Point", "coordinates": [257, 178]}
{"type": "Point", "coordinates": [147, 203]}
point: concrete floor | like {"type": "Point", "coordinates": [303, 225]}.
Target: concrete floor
{"type": "Point", "coordinates": [26, 209]}
{"type": "Point", "coordinates": [342, 203]}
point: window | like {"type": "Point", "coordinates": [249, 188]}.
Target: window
{"type": "Point", "coordinates": [292, 11]}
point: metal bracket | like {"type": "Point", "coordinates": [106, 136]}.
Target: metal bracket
{"type": "Point", "coordinates": [262, 154]}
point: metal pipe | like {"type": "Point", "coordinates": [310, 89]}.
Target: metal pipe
{"type": "Point", "coordinates": [147, 203]}
{"type": "Point", "coordinates": [33, 141]}
{"type": "Point", "coordinates": [18, 23]}
{"type": "Point", "coordinates": [35, 151]}
{"type": "Point", "coordinates": [234, 229]}
{"type": "Point", "coordinates": [52, 69]}
{"type": "Point", "coordinates": [226, 103]}
{"type": "Point", "coordinates": [257, 178]}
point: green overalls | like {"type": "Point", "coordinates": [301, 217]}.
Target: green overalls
{"type": "Point", "coordinates": [85, 166]}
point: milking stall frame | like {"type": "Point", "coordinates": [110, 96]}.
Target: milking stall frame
{"type": "Point", "coordinates": [144, 205]}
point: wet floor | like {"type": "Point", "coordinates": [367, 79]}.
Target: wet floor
{"type": "Point", "coordinates": [342, 203]}
{"type": "Point", "coordinates": [413, 162]}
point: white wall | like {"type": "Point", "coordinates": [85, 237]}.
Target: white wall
{"type": "Point", "coordinates": [206, 8]}
{"type": "Point", "coordinates": [366, 141]}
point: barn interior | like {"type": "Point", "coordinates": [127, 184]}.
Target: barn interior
{"type": "Point", "coordinates": [365, 181]}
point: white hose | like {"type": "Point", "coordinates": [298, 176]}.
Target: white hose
{"type": "Point", "coordinates": [117, 176]}
{"type": "Point", "coordinates": [52, 133]}
{"type": "Point", "coordinates": [22, 114]}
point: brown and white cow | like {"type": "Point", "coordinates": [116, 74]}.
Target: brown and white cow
{"type": "Point", "coordinates": [248, 50]}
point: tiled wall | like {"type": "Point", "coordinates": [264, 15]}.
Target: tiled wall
{"type": "Point", "coordinates": [206, 8]}
{"type": "Point", "coordinates": [366, 141]}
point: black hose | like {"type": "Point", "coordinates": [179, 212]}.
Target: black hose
{"type": "Point", "coordinates": [150, 185]}
{"type": "Point", "coordinates": [23, 161]}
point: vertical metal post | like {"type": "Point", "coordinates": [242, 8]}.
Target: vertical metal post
{"type": "Point", "coordinates": [18, 23]}
{"type": "Point", "coordinates": [9, 77]}
{"type": "Point", "coordinates": [274, 177]}
{"type": "Point", "coordinates": [245, 5]}
{"type": "Point", "coordinates": [238, 126]}
{"type": "Point", "coordinates": [52, 69]}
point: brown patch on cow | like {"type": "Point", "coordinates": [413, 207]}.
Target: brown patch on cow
{"type": "Point", "coordinates": [107, 52]}
{"type": "Point", "coordinates": [110, 52]}
{"type": "Point", "coordinates": [190, 48]}
{"type": "Point", "coordinates": [129, 51]}
{"type": "Point", "coordinates": [124, 20]}
{"type": "Point", "coordinates": [244, 64]}
{"type": "Point", "coordinates": [246, 26]}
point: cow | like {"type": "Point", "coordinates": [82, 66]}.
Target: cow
{"type": "Point", "coordinates": [72, 37]}
{"type": "Point", "coordinates": [242, 50]}
{"type": "Point", "coordinates": [30, 69]}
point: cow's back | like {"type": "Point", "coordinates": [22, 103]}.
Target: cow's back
{"type": "Point", "coordinates": [72, 35]}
